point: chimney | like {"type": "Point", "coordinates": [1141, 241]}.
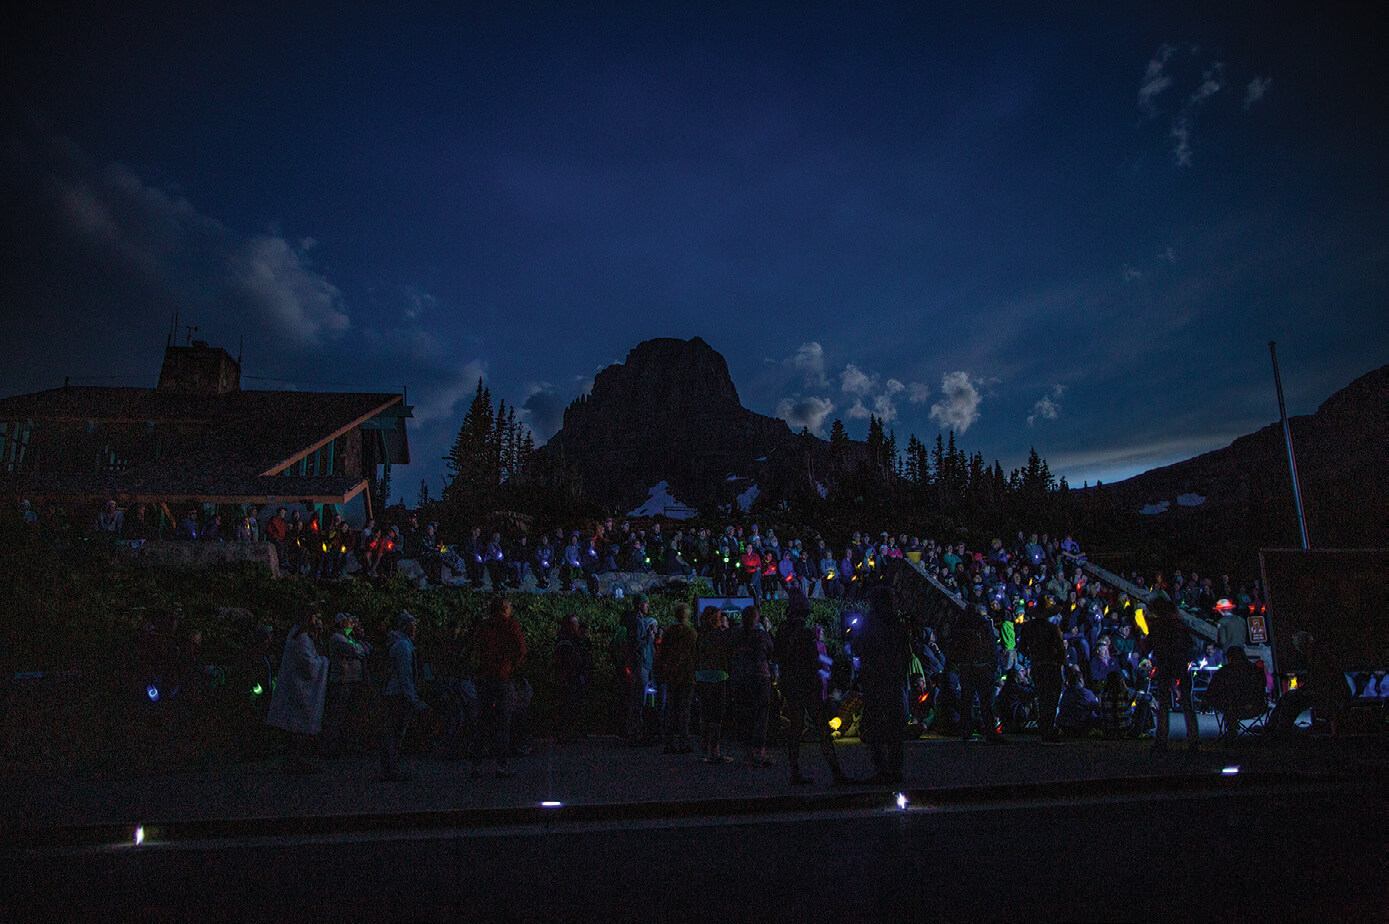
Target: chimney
{"type": "Point", "coordinates": [199, 369]}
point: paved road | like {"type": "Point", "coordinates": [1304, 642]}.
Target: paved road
{"type": "Point", "coordinates": [1262, 850]}
{"type": "Point", "coordinates": [1090, 829]}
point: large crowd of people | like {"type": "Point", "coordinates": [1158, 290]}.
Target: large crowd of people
{"type": "Point", "coordinates": [1038, 643]}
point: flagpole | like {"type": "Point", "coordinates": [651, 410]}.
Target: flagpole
{"type": "Point", "coordinates": [1288, 439]}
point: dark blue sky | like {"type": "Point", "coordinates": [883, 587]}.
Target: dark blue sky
{"type": "Point", "coordinates": [1075, 229]}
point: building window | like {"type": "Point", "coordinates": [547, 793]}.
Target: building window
{"type": "Point", "coordinates": [14, 441]}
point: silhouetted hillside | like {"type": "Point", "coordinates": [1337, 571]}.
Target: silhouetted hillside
{"type": "Point", "coordinates": [1245, 491]}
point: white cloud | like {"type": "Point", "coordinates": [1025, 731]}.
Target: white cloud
{"type": "Point", "coordinates": [809, 412]}
{"type": "Point", "coordinates": [858, 411]}
{"type": "Point", "coordinates": [1047, 407]}
{"type": "Point", "coordinates": [884, 407]}
{"type": "Point", "coordinates": [809, 361]}
{"type": "Point", "coordinates": [1181, 132]}
{"type": "Point", "coordinates": [543, 410]}
{"type": "Point", "coordinates": [438, 402]}
{"type": "Point", "coordinates": [1212, 81]}
{"type": "Point", "coordinates": [918, 393]}
{"type": "Point", "coordinates": [418, 302]}
{"type": "Point", "coordinates": [958, 409]}
{"type": "Point", "coordinates": [1132, 273]}
{"type": "Point", "coordinates": [1155, 80]}
{"type": "Point", "coordinates": [857, 382]}
{"type": "Point", "coordinates": [273, 278]}
{"type": "Point", "coordinates": [196, 261]}
{"type": "Point", "coordinates": [893, 387]}
{"type": "Point", "coordinates": [1256, 89]}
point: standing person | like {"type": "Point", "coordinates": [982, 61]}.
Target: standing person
{"type": "Point", "coordinates": [573, 666]}
{"type": "Point", "coordinates": [678, 644]}
{"type": "Point", "coordinates": [501, 647]}
{"type": "Point", "coordinates": [711, 682]}
{"type": "Point", "coordinates": [1171, 655]}
{"type": "Point", "coordinates": [639, 655]}
{"type": "Point", "coordinates": [1231, 628]}
{"type": "Point", "coordinates": [974, 649]}
{"type": "Point", "coordinates": [797, 653]}
{"type": "Point", "coordinates": [277, 531]}
{"type": "Point", "coordinates": [346, 675]}
{"type": "Point", "coordinates": [752, 684]}
{"type": "Point", "coordinates": [1042, 643]}
{"type": "Point", "coordinates": [296, 543]}
{"type": "Point", "coordinates": [884, 648]}
{"type": "Point", "coordinates": [300, 689]}
{"type": "Point", "coordinates": [401, 697]}
{"type": "Point", "coordinates": [751, 571]}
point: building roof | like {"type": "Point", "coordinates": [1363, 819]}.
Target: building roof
{"type": "Point", "coordinates": [212, 488]}
{"type": "Point", "coordinates": [227, 446]}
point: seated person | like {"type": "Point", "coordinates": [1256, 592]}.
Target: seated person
{"type": "Point", "coordinates": [1144, 704]}
{"type": "Point", "coordinates": [1103, 663]}
{"type": "Point", "coordinates": [1236, 691]}
{"type": "Point", "coordinates": [1017, 701]}
{"type": "Point", "coordinates": [1116, 706]}
{"type": "Point", "coordinates": [1123, 645]}
{"type": "Point", "coordinates": [1079, 710]}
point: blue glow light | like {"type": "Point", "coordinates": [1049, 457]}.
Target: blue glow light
{"type": "Point", "coordinates": [1229, 771]}
{"type": "Point", "coordinates": [153, 692]}
{"type": "Point", "coordinates": [902, 801]}
{"type": "Point", "coordinates": [552, 805]}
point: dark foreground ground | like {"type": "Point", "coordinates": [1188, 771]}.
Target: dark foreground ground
{"type": "Point", "coordinates": [1087, 830]}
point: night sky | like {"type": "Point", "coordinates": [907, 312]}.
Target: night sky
{"type": "Point", "coordinates": [1071, 226]}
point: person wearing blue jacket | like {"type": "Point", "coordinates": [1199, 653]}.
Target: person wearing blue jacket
{"type": "Point", "coordinates": [401, 699]}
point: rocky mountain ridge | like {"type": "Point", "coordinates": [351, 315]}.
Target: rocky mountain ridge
{"type": "Point", "coordinates": [670, 412]}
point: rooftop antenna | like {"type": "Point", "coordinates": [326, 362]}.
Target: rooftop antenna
{"type": "Point", "coordinates": [240, 348]}
{"type": "Point", "coordinates": [191, 331]}
{"type": "Point", "coordinates": [173, 328]}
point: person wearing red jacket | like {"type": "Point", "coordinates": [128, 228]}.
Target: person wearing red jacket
{"type": "Point", "coordinates": [751, 563]}
{"type": "Point", "coordinates": [501, 647]}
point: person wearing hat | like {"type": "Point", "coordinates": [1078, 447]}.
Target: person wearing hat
{"type": "Point", "coordinates": [1231, 629]}
{"type": "Point", "coordinates": [401, 699]}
